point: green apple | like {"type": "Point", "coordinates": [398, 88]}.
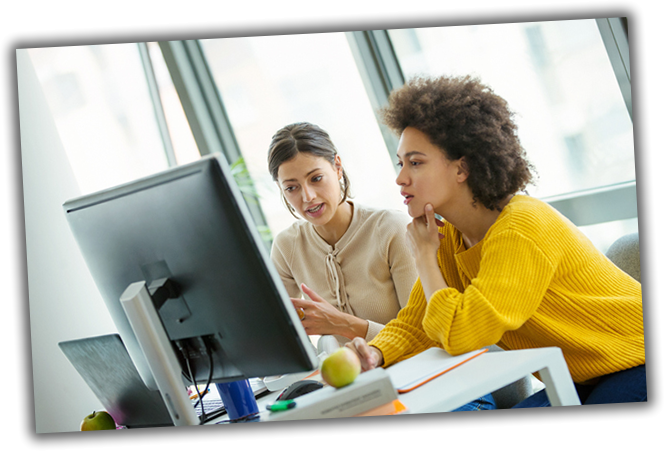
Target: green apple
{"type": "Point", "coordinates": [98, 421]}
{"type": "Point", "coordinates": [340, 368]}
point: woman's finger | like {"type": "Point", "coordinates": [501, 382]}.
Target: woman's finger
{"type": "Point", "coordinates": [311, 293]}
{"type": "Point", "coordinates": [360, 346]}
{"type": "Point", "coordinates": [301, 303]}
{"type": "Point", "coordinates": [429, 214]}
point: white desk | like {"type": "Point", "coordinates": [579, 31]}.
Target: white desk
{"type": "Point", "coordinates": [490, 372]}
{"type": "Point", "coordinates": [481, 375]}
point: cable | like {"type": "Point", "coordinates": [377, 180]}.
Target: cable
{"type": "Point", "coordinates": [185, 354]}
{"type": "Point", "coordinates": [209, 380]}
{"type": "Point", "coordinates": [203, 417]}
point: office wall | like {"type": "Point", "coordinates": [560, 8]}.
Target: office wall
{"type": "Point", "coordinates": [64, 302]}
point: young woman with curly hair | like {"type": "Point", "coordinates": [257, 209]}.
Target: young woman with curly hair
{"type": "Point", "coordinates": [502, 267]}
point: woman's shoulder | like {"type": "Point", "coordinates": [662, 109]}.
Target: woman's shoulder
{"type": "Point", "coordinates": [526, 209]}
{"type": "Point", "coordinates": [388, 215]}
{"type": "Point", "coordinates": [291, 234]}
{"type": "Point", "coordinates": [532, 217]}
{"type": "Point", "coordinates": [383, 219]}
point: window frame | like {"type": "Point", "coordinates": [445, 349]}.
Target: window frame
{"type": "Point", "coordinates": [204, 108]}
{"type": "Point", "coordinates": [381, 73]}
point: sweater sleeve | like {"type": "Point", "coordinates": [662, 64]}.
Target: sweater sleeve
{"type": "Point", "coordinates": [514, 276]}
{"type": "Point", "coordinates": [280, 255]}
{"type": "Point", "coordinates": [373, 330]}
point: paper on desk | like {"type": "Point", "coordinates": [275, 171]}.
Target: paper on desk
{"type": "Point", "coordinates": [420, 369]}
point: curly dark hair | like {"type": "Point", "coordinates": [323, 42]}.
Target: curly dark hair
{"type": "Point", "coordinates": [466, 119]}
{"type": "Point", "coordinates": [304, 137]}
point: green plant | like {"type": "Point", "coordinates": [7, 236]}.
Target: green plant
{"type": "Point", "coordinates": [242, 178]}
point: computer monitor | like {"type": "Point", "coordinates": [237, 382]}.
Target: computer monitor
{"type": "Point", "coordinates": [190, 225]}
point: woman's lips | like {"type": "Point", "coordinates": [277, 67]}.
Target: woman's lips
{"type": "Point", "coordinates": [316, 213]}
{"type": "Point", "coordinates": [407, 199]}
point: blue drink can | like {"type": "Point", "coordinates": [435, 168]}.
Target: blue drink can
{"type": "Point", "coordinates": [238, 398]}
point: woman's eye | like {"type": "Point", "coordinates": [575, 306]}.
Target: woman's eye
{"type": "Point", "coordinates": [399, 164]}
{"type": "Point", "coordinates": [288, 189]}
{"type": "Point", "coordinates": [414, 163]}
{"type": "Point", "coordinates": [318, 178]}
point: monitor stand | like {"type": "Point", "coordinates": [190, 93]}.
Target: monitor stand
{"type": "Point", "coordinates": [153, 341]}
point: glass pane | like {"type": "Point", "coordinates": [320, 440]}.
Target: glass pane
{"type": "Point", "coordinates": [556, 77]}
{"type": "Point", "coordinates": [603, 235]}
{"type": "Point", "coordinates": [101, 105]}
{"type": "Point", "coordinates": [271, 81]}
{"type": "Point", "coordinates": [184, 145]}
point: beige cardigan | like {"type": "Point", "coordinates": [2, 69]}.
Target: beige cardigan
{"type": "Point", "coordinates": [368, 273]}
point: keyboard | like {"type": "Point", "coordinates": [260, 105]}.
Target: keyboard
{"type": "Point", "coordinates": [213, 408]}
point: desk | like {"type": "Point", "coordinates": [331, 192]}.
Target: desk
{"type": "Point", "coordinates": [490, 372]}
{"type": "Point", "coordinates": [481, 375]}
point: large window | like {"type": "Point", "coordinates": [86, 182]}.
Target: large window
{"type": "Point", "coordinates": [556, 77]}
{"type": "Point", "coordinates": [103, 111]}
{"type": "Point", "coordinates": [120, 116]}
{"type": "Point", "coordinates": [558, 80]}
{"type": "Point", "coordinates": [268, 82]}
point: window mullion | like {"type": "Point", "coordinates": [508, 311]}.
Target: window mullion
{"type": "Point", "coordinates": [153, 88]}
{"type": "Point", "coordinates": [204, 107]}
{"type": "Point", "coordinates": [381, 74]}
{"type": "Point", "coordinates": [614, 35]}
{"type": "Point", "coordinates": [596, 206]}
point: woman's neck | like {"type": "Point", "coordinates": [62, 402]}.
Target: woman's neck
{"type": "Point", "coordinates": [338, 225]}
{"type": "Point", "coordinates": [474, 221]}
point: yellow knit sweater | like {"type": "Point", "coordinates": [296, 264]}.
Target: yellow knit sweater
{"type": "Point", "coordinates": [534, 281]}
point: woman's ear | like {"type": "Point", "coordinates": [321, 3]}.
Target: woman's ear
{"type": "Point", "coordinates": [463, 171]}
{"type": "Point", "coordinates": [338, 167]}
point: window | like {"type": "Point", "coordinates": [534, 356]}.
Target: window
{"type": "Point", "coordinates": [184, 145]}
{"type": "Point", "coordinates": [103, 111]}
{"type": "Point", "coordinates": [559, 82]}
{"type": "Point", "coordinates": [556, 77]}
{"type": "Point", "coordinates": [271, 81]}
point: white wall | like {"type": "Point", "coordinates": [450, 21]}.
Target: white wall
{"type": "Point", "coordinates": [64, 301]}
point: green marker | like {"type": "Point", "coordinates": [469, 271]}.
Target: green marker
{"type": "Point", "coordinates": [278, 406]}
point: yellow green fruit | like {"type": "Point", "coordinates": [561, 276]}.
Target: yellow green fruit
{"type": "Point", "coordinates": [340, 368]}
{"type": "Point", "coordinates": [98, 421]}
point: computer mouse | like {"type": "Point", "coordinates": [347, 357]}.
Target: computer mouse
{"type": "Point", "coordinates": [299, 388]}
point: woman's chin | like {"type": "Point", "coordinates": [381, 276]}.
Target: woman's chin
{"type": "Point", "coordinates": [414, 211]}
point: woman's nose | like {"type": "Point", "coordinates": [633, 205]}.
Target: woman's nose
{"type": "Point", "coordinates": [308, 194]}
{"type": "Point", "coordinates": [401, 178]}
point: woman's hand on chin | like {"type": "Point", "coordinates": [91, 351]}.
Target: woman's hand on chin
{"type": "Point", "coordinates": [423, 236]}
{"type": "Point", "coordinates": [424, 241]}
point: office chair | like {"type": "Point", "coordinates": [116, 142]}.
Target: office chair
{"type": "Point", "coordinates": [625, 254]}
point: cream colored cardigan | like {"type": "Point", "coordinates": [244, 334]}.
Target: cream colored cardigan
{"type": "Point", "coordinates": [368, 273]}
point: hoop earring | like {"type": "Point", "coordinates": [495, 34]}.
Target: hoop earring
{"type": "Point", "coordinates": [290, 208]}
